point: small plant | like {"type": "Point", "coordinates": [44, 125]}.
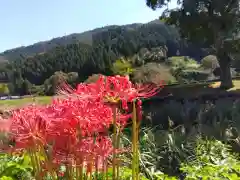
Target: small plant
{"type": "Point", "coordinates": [122, 67]}
{"type": "Point", "coordinates": [15, 167]}
{"type": "Point", "coordinates": [213, 161]}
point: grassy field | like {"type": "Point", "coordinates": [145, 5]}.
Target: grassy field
{"type": "Point", "coordinates": [10, 104]}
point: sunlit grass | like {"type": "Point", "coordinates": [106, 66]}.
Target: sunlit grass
{"type": "Point", "coordinates": [236, 84]}
{"type": "Point", "coordinates": [14, 103]}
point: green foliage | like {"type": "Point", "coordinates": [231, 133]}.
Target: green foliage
{"type": "Point", "coordinates": [96, 57]}
{"type": "Point", "coordinates": [92, 79]}
{"type": "Point", "coordinates": [185, 69]}
{"type": "Point", "coordinates": [122, 67]}
{"type": "Point", "coordinates": [15, 167]}
{"type": "Point", "coordinates": [213, 161]}
{"type": "Point", "coordinates": [198, 23]}
{"type": "Point", "coordinates": [210, 62]}
{"type": "Point", "coordinates": [37, 90]}
{"type": "Point", "coordinates": [157, 54]}
{"type": "Point", "coordinates": [106, 47]}
{"type": "Point", "coordinates": [183, 62]}
{"type": "Point", "coordinates": [154, 73]}
{"type": "Point", "coordinates": [212, 24]}
{"type": "Point", "coordinates": [52, 84]}
{"type": "Point", "coordinates": [4, 89]}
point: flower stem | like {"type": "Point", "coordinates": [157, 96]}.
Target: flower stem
{"type": "Point", "coordinates": [118, 144]}
{"type": "Point", "coordinates": [134, 139]}
{"type": "Point", "coordinates": [106, 169]}
{"type": "Point", "coordinates": [137, 149]}
{"type": "Point", "coordinates": [114, 141]}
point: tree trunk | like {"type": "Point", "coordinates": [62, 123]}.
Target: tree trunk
{"type": "Point", "coordinates": [225, 62]}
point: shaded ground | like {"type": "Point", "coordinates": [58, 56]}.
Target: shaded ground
{"type": "Point", "coordinates": [187, 104]}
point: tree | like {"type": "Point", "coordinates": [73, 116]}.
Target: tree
{"type": "Point", "coordinates": [210, 62]}
{"type": "Point", "coordinates": [4, 89]}
{"type": "Point", "coordinates": [52, 84]}
{"type": "Point", "coordinates": [122, 67]}
{"type": "Point", "coordinates": [153, 73]}
{"type": "Point", "coordinates": [208, 23]}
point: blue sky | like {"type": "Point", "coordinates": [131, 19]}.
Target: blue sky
{"type": "Point", "coordinates": [24, 22]}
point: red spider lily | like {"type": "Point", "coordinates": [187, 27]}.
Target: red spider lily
{"type": "Point", "coordinates": [28, 127]}
{"type": "Point", "coordinates": [73, 121]}
{"type": "Point", "coordinates": [87, 116]}
{"type": "Point", "coordinates": [73, 126]}
{"type": "Point", "coordinates": [4, 124]}
{"type": "Point", "coordinates": [114, 89]}
{"type": "Point", "coordinates": [95, 149]}
{"type": "Point", "coordinates": [86, 113]}
{"type": "Point", "coordinates": [84, 152]}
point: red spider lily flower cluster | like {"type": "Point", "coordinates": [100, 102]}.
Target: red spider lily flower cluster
{"type": "Point", "coordinates": [115, 89]}
{"type": "Point", "coordinates": [68, 126]}
{"type": "Point", "coordinates": [75, 127]}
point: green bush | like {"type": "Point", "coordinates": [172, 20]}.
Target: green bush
{"type": "Point", "coordinates": [122, 67]}
{"type": "Point", "coordinates": [210, 62]}
{"type": "Point", "coordinates": [213, 160]}
{"type": "Point", "coordinates": [182, 62]}
{"type": "Point", "coordinates": [154, 73]}
{"type": "Point", "coordinates": [92, 79]}
{"type": "Point", "coordinates": [185, 69]}
{"type": "Point", "coordinates": [37, 90]}
{"type": "Point", "coordinates": [15, 167]}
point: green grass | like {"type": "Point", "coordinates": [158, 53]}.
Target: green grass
{"type": "Point", "coordinates": [11, 104]}
{"type": "Point", "coordinates": [25, 101]}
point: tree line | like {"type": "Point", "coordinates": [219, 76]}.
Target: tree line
{"type": "Point", "coordinates": [98, 57]}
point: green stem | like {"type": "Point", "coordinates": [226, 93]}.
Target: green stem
{"type": "Point", "coordinates": [96, 167]}
{"type": "Point", "coordinates": [114, 140]}
{"type": "Point", "coordinates": [118, 144]}
{"type": "Point", "coordinates": [79, 170]}
{"type": "Point", "coordinates": [91, 166]}
{"type": "Point", "coordinates": [32, 161]}
{"type": "Point", "coordinates": [106, 170]}
{"type": "Point", "coordinates": [134, 125]}
{"type": "Point", "coordinates": [137, 150]}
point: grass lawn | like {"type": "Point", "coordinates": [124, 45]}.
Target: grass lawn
{"type": "Point", "coordinates": [9, 104]}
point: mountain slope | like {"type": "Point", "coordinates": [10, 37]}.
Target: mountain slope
{"type": "Point", "coordinates": [85, 37]}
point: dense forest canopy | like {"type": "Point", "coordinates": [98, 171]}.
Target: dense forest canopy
{"type": "Point", "coordinates": [89, 53]}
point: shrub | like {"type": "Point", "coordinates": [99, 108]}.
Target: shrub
{"type": "Point", "coordinates": [182, 62]}
{"type": "Point", "coordinates": [4, 90]}
{"type": "Point", "coordinates": [213, 161]}
{"type": "Point", "coordinates": [153, 73]}
{"type": "Point", "coordinates": [185, 69]}
{"type": "Point", "coordinates": [122, 67]}
{"type": "Point", "coordinates": [37, 90]}
{"type": "Point", "coordinates": [92, 79]}
{"type": "Point", "coordinates": [210, 62]}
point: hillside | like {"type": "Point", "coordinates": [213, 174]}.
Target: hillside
{"type": "Point", "coordinates": [84, 37]}
{"type": "Point", "coordinates": [90, 52]}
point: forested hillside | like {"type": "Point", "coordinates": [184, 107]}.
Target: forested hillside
{"type": "Point", "coordinates": [40, 47]}
{"type": "Point", "coordinates": [89, 53]}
